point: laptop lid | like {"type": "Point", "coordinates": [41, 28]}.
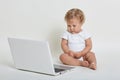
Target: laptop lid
{"type": "Point", "coordinates": [32, 55]}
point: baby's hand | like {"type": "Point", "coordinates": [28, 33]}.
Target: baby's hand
{"type": "Point", "coordinates": [71, 53]}
{"type": "Point", "coordinates": [77, 55]}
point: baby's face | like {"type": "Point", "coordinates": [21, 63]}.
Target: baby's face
{"type": "Point", "coordinates": [74, 26]}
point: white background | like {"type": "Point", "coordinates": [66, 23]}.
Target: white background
{"type": "Point", "coordinates": [44, 20]}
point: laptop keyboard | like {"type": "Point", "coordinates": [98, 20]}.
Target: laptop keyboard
{"type": "Point", "coordinates": [58, 70]}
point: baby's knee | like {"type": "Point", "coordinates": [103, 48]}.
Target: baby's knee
{"type": "Point", "coordinates": [91, 54]}
{"type": "Point", "coordinates": [63, 57]}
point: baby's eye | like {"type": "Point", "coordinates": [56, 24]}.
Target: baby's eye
{"type": "Point", "coordinates": [74, 25]}
{"type": "Point", "coordinates": [68, 25]}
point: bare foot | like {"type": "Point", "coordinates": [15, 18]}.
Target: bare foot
{"type": "Point", "coordinates": [92, 66]}
{"type": "Point", "coordinates": [84, 63]}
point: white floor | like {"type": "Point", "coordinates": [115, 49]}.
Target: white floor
{"type": "Point", "coordinates": [108, 58]}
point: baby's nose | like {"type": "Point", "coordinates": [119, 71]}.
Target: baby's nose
{"type": "Point", "coordinates": [72, 29]}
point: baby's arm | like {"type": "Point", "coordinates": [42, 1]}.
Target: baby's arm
{"type": "Point", "coordinates": [65, 48]}
{"type": "Point", "coordinates": [88, 47]}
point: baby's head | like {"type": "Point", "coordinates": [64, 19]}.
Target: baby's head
{"type": "Point", "coordinates": [74, 19]}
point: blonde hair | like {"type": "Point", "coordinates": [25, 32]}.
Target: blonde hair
{"type": "Point", "coordinates": [75, 13]}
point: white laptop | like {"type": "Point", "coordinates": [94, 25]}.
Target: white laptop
{"type": "Point", "coordinates": [35, 56]}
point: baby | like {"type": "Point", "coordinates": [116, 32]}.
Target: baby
{"type": "Point", "coordinates": [76, 42]}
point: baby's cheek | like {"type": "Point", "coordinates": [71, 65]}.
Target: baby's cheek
{"type": "Point", "coordinates": [68, 30]}
{"type": "Point", "coordinates": [77, 30]}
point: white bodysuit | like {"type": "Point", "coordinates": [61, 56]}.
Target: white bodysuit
{"type": "Point", "coordinates": [76, 42]}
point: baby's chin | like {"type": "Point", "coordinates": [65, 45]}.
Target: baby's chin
{"type": "Point", "coordinates": [74, 32]}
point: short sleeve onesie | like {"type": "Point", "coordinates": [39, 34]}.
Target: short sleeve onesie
{"type": "Point", "coordinates": [76, 42]}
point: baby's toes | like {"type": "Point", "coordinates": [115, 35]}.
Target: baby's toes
{"type": "Point", "coordinates": [92, 66]}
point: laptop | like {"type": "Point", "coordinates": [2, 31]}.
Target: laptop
{"type": "Point", "coordinates": [35, 56]}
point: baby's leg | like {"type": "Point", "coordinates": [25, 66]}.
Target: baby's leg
{"type": "Point", "coordinates": [66, 59]}
{"type": "Point", "coordinates": [90, 57]}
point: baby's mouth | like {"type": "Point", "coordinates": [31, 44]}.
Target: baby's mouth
{"type": "Point", "coordinates": [72, 32]}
